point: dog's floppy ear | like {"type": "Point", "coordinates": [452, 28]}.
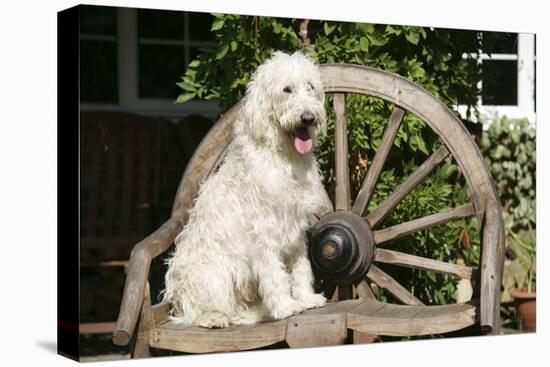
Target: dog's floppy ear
{"type": "Point", "coordinates": [257, 109]}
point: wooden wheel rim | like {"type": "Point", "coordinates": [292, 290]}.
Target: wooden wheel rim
{"type": "Point", "coordinates": [343, 78]}
{"type": "Point", "coordinates": [401, 92]}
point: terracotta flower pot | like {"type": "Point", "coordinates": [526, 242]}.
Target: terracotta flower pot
{"type": "Point", "coordinates": [526, 305]}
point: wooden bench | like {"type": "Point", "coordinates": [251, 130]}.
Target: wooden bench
{"type": "Point", "coordinates": [329, 325]}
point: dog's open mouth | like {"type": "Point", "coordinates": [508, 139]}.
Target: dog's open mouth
{"type": "Point", "coordinates": [302, 140]}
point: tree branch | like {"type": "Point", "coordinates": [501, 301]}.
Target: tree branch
{"type": "Point", "coordinates": [306, 42]}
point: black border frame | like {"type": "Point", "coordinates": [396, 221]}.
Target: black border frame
{"type": "Point", "coordinates": [68, 183]}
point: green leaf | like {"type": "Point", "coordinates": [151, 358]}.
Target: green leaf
{"type": "Point", "coordinates": [194, 64]}
{"type": "Point", "coordinates": [393, 30]}
{"type": "Point", "coordinates": [419, 73]}
{"type": "Point", "coordinates": [234, 46]}
{"type": "Point", "coordinates": [526, 183]}
{"type": "Point", "coordinates": [186, 87]}
{"type": "Point", "coordinates": [210, 97]}
{"type": "Point", "coordinates": [190, 81]}
{"type": "Point", "coordinates": [217, 24]}
{"type": "Point", "coordinates": [397, 141]}
{"type": "Point", "coordinates": [423, 33]}
{"type": "Point", "coordinates": [449, 170]}
{"type": "Point", "coordinates": [364, 44]}
{"type": "Point", "coordinates": [412, 37]}
{"type": "Point", "coordinates": [276, 27]}
{"type": "Point", "coordinates": [328, 28]}
{"type": "Point", "coordinates": [516, 136]}
{"type": "Point", "coordinates": [182, 98]}
{"type": "Point", "coordinates": [485, 141]}
{"type": "Point", "coordinates": [222, 52]}
{"type": "Point", "coordinates": [378, 40]}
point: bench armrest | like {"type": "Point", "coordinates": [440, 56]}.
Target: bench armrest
{"type": "Point", "coordinates": [137, 275]}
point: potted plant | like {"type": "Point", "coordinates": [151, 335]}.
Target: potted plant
{"type": "Point", "coordinates": [525, 295]}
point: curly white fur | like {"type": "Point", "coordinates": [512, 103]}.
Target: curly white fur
{"type": "Point", "coordinates": [242, 256]}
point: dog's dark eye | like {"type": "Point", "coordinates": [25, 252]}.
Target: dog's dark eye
{"type": "Point", "coordinates": [311, 86]}
{"type": "Point", "coordinates": [287, 90]}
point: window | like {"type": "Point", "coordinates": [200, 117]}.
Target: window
{"type": "Point", "coordinates": [508, 74]}
{"type": "Point", "coordinates": [499, 82]}
{"type": "Point", "coordinates": [499, 69]}
{"type": "Point", "coordinates": [131, 59]}
{"type": "Point", "coordinates": [171, 39]}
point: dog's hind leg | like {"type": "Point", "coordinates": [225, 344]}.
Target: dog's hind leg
{"type": "Point", "coordinates": [202, 293]}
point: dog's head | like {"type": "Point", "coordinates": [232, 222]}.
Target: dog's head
{"type": "Point", "coordinates": [284, 104]}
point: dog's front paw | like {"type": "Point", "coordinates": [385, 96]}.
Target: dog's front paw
{"type": "Point", "coordinates": [286, 309]}
{"type": "Point", "coordinates": [213, 320]}
{"type": "Point", "coordinates": [313, 301]}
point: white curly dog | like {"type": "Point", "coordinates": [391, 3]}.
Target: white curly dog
{"type": "Point", "coordinates": [242, 256]}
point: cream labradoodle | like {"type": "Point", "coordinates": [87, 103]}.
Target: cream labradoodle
{"type": "Point", "coordinates": [242, 257]}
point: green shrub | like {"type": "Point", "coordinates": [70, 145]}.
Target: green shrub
{"type": "Point", "coordinates": [509, 147]}
{"type": "Point", "coordinates": [429, 57]}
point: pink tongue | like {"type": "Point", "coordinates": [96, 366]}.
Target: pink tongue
{"type": "Point", "coordinates": [302, 141]}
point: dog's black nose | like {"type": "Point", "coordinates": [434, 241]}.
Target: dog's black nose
{"type": "Point", "coordinates": [307, 118]}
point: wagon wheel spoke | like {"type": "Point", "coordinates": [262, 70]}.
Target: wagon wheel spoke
{"type": "Point", "coordinates": [403, 229]}
{"type": "Point", "coordinates": [342, 191]}
{"type": "Point", "coordinates": [364, 290]}
{"type": "Point", "coordinates": [407, 186]}
{"type": "Point", "coordinates": [388, 283]}
{"type": "Point", "coordinates": [422, 263]}
{"type": "Point", "coordinates": [365, 193]}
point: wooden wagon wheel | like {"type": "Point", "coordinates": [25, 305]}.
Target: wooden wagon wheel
{"type": "Point", "coordinates": [349, 255]}
{"type": "Point", "coordinates": [334, 235]}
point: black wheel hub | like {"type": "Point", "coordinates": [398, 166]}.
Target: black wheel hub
{"type": "Point", "coordinates": [341, 248]}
